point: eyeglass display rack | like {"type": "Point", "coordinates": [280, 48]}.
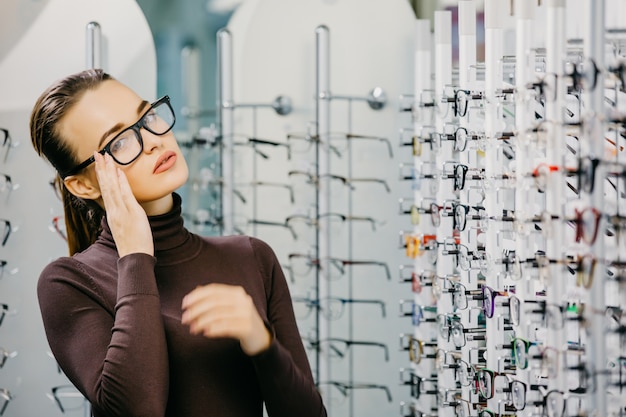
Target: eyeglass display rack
{"type": "Point", "coordinates": [330, 196]}
{"type": "Point", "coordinates": [327, 240]}
{"type": "Point", "coordinates": [518, 186]}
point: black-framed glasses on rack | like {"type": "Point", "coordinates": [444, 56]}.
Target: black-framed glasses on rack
{"type": "Point", "coordinates": [459, 174]}
{"type": "Point", "coordinates": [3, 264]}
{"type": "Point", "coordinates": [461, 215]}
{"type": "Point", "coordinates": [287, 187]}
{"type": "Point", "coordinates": [68, 398]}
{"type": "Point", "coordinates": [338, 347]}
{"type": "Point", "coordinates": [6, 355]}
{"type": "Point", "coordinates": [345, 387]}
{"type": "Point", "coordinates": [462, 98]}
{"type": "Point", "coordinates": [486, 381]}
{"type": "Point", "coordinates": [242, 225]}
{"type": "Point", "coordinates": [315, 179]}
{"type": "Point", "coordinates": [418, 384]}
{"type": "Point", "coordinates": [6, 184]}
{"type": "Point", "coordinates": [416, 105]}
{"type": "Point", "coordinates": [5, 230]}
{"type": "Point", "coordinates": [5, 138]}
{"type": "Point", "coordinates": [5, 398]}
{"type": "Point", "coordinates": [254, 141]}
{"type": "Point", "coordinates": [341, 140]}
{"type": "Point", "coordinates": [332, 268]}
{"type": "Point", "coordinates": [583, 73]}
{"type": "Point", "coordinates": [332, 308]}
{"type": "Point", "coordinates": [333, 218]}
{"type": "Point", "coordinates": [413, 411]}
{"type": "Point", "coordinates": [5, 311]}
{"type": "Point", "coordinates": [307, 142]}
{"type": "Point", "coordinates": [545, 87]}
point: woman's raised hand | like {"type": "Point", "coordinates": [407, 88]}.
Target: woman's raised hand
{"type": "Point", "coordinates": [127, 219]}
{"type": "Point", "coordinates": [220, 310]}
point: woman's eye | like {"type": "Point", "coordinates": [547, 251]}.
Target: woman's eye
{"type": "Point", "coordinates": [150, 117]}
{"type": "Point", "coordinates": [120, 143]}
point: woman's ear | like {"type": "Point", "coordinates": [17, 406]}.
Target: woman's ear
{"type": "Point", "coordinates": [83, 186]}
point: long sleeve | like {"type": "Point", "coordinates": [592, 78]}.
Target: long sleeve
{"type": "Point", "coordinates": [108, 338]}
{"type": "Point", "coordinates": [283, 370]}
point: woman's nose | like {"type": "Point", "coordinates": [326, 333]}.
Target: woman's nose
{"type": "Point", "coordinates": [151, 141]}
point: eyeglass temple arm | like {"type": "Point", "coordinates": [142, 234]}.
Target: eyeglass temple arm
{"type": "Point", "coordinates": [379, 138]}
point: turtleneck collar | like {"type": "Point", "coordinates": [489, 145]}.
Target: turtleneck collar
{"type": "Point", "coordinates": [173, 243]}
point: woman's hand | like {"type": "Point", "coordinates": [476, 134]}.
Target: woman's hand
{"type": "Point", "coordinates": [127, 219]}
{"type": "Point", "coordinates": [220, 310]}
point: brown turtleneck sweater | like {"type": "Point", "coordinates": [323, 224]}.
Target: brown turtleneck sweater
{"type": "Point", "coordinates": [114, 326]}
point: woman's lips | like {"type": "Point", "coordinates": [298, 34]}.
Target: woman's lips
{"type": "Point", "coordinates": [165, 162]}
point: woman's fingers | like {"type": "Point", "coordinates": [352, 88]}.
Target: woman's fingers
{"type": "Point", "coordinates": [127, 219]}
{"type": "Point", "coordinates": [108, 181]}
{"type": "Point", "coordinates": [219, 310]}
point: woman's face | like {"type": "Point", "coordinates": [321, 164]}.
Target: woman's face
{"type": "Point", "coordinates": [101, 114]}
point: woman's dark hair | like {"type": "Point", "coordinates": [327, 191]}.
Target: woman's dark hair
{"type": "Point", "coordinates": [82, 217]}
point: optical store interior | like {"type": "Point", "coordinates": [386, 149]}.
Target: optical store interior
{"type": "Point", "coordinates": [442, 182]}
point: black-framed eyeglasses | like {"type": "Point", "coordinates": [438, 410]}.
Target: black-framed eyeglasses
{"type": "Point", "coordinates": [4, 355]}
{"type": "Point", "coordinates": [68, 398]}
{"type": "Point", "coordinates": [5, 230]}
{"type": "Point", "coordinates": [127, 145]}
{"type": "Point", "coordinates": [338, 347]}
{"type": "Point", "coordinates": [584, 74]}
{"type": "Point", "coordinates": [4, 311]}
{"type": "Point", "coordinates": [3, 264]}
{"type": "Point", "coordinates": [461, 99]}
{"type": "Point", "coordinates": [6, 141]}
{"type": "Point", "coordinates": [345, 387]}
{"type": "Point", "coordinates": [6, 184]}
{"type": "Point", "coordinates": [332, 308]}
{"type": "Point", "coordinates": [5, 399]}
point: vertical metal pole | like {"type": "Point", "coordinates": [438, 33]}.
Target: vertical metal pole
{"type": "Point", "coordinates": [467, 40]}
{"type": "Point", "coordinates": [93, 46]}
{"type": "Point", "coordinates": [467, 60]}
{"type": "Point", "coordinates": [190, 82]}
{"type": "Point", "coordinates": [443, 78]}
{"type": "Point", "coordinates": [494, 47]}
{"type": "Point", "coordinates": [422, 84]}
{"type": "Point", "coordinates": [225, 110]}
{"type": "Point", "coordinates": [524, 115]}
{"type": "Point", "coordinates": [555, 187]}
{"type": "Point", "coordinates": [322, 118]}
{"type": "Point", "coordinates": [594, 48]}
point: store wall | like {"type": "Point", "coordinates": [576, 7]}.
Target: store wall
{"type": "Point", "coordinates": [42, 41]}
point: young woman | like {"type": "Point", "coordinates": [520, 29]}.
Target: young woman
{"type": "Point", "coordinates": [146, 318]}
